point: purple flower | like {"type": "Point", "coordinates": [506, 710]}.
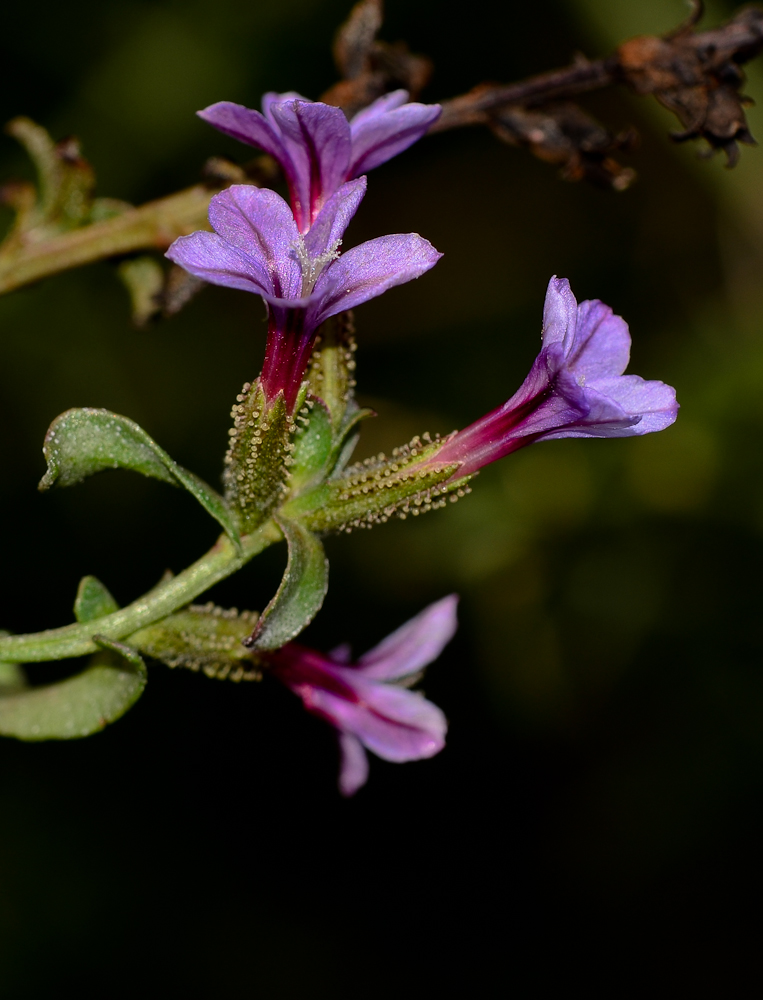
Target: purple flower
{"type": "Point", "coordinates": [364, 703]}
{"type": "Point", "coordinates": [316, 147]}
{"type": "Point", "coordinates": [257, 247]}
{"type": "Point", "coordinates": [575, 388]}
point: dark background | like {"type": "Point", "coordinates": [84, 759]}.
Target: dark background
{"type": "Point", "coordinates": [595, 819]}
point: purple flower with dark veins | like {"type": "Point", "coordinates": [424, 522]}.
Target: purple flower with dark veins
{"type": "Point", "coordinates": [576, 388]}
{"type": "Point", "coordinates": [257, 247]}
{"type": "Point", "coordinates": [316, 147]}
{"type": "Point", "coordinates": [369, 703]}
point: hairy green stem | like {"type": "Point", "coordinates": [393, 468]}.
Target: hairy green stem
{"type": "Point", "coordinates": [77, 640]}
{"type": "Point", "coordinates": [150, 227]}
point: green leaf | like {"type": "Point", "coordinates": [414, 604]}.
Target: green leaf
{"type": "Point", "coordinates": [12, 678]}
{"type": "Point", "coordinates": [301, 593]}
{"type": "Point", "coordinates": [84, 441]}
{"type": "Point", "coordinates": [93, 600]}
{"type": "Point", "coordinates": [80, 705]}
{"type": "Point", "coordinates": [205, 638]}
{"type": "Point", "coordinates": [332, 366]}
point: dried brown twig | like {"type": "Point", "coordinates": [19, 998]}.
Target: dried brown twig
{"type": "Point", "coordinates": [697, 75]}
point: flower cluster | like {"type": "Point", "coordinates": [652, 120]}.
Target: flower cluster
{"type": "Point", "coordinates": [289, 255]}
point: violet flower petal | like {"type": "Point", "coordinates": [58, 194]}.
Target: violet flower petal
{"type": "Point", "coordinates": [645, 407]}
{"type": "Point", "coordinates": [370, 269]}
{"type": "Point", "coordinates": [260, 223]}
{"type": "Point", "coordinates": [246, 125]}
{"type": "Point", "coordinates": [385, 128]}
{"type": "Point", "coordinates": [560, 315]}
{"type": "Point", "coordinates": [213, 259]}
{"type": "Point", "coordinates": [414, 644]}
{"type": "Point", "coordinates": [317, 138]}
{"type": "Point", "coordinates": [353, 771]}
{"type": "Point", "coordinates": [271, 98]}
{"type": "Point", "coordinates": [335, 217]}
{"type": "Point", "coordinates": [602, 344]}
{"type": "Point", "coordinates": [393, 722]}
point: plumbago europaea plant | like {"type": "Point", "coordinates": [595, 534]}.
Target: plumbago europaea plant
{"type": "Point", "coordinates": [287, 473]}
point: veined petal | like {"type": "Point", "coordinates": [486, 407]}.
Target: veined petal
{"type": "Point", "coordinates": [370, 269]}
{"type": "Point", "coordinates": [353, 771]}
{"type": "Point", "coordinates": [317, 138]}
{"type": "Point", "coordinates": [260, 223]}
{"type": "Point", "coordinates": [653, 402]}
{"type": "Point", "coordinates": [271, 98]}
{"type": "Point", "coordinates": [247, 126]}
{"type": "Point", "coordinates": [413, 645]}
{"type": "Point", "coordinates": [213, 259]}
{"type": "Point", "coordinates": [602, 343]}
{"type": "Point", "coordinates": [560, 313]}
{"type": "Point", "coordinates": [335, 217]}
{"type": "Point", "coordinates": [393, 722]}
{"type": "Point", "coordinates": [387, 127]}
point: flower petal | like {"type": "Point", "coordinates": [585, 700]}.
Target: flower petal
{"type": "Point", "coordinates": [393, 722]}
{"type": "Point", "coordinates": [213, 259]}
{"type": "Point", "coordinates": [260, 223]}
{"type": "Point", "coordinates": [317, 138]}
{"type": "Point", "coordinates": [384, 129]}
{"type": "Point", "coordinates": [602, 343]}
{"type": "Point", "coordinates": [652, 403]}
{"type": "Point", "coordinates": [560, 313]}
{"type": "Point", "coordinates": [370, 269]}
{"type": "Point", "coordinates": [247, 126]}
{"type": "Point", "coordinates": [413, 645]}
{"type": "Point", "coordinates": [335, 217]}
{"type": "Point", "coordinates": [353, 772]}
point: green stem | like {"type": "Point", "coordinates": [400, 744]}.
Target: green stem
{"type": "Point", "coordinates": [150, 227]}
{"type": "Point", "coordinates": [77, 640]}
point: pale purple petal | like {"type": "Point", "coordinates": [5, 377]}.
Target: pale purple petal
{"type": "Point", "coordinates": [602, 343]}
{"type": "Point", "coordinates": [560, 312]}
{"type": "Point", "coordinates": [335, 217]}
{"type": "Point", "coordinates": [414, 644]}
{"type": "Point", "coordinates": [260, 223]}
{"type": "Point", "coordinates": [393, 722]}
{"type": "Point", "coordinates": [213, 259]}
{"type": "Point", "coordinates": [342, 653]}
{"type": "Point", "coordinates": [384, 129]}
{"type": "Point", "coordinates": [370, 269]}
{"type": "Point", "coordinates": [353, 771]}
{"type": "Point", "coordinates": [650, 406]}
{"type": "Point", "coordinates": [317, 138]}
{"type": "Point", "coordinates": [271, 98]}
{"type": "Point", "coordinates": [247, 126]}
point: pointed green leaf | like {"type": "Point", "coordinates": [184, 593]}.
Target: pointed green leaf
{"type": "Point", "coordinates": [80, 705]}
{"type": "Point", "coordinates": [332, 365]}
{"type": "Point", "coordinates": [84, 441]}
{"type": "Point", "coordinates": [301, 593]}
{"type": "Point", "coordinates": [93, 600]}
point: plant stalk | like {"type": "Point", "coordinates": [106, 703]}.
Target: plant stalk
{"type": "Point", "coordinates": [77, 639]}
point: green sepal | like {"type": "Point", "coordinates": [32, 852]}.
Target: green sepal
{"type": "Point", "coordinates": [313, 445]}
{"type": "Point", "coordinates": [347, 438]}
{"type": "Point", "coordinates": [301, 593]}
{"type": "Point", "coordinates": [80, 705]}
{"type": "Point", "coordinates": [93, 600]}
{"type": "Point", "coordinates": [259, 455]}
{"type": "Point", "coordinates": [410, 482]}
{"type": "Point", "coordinates": [84, 441]}
{"type": "Point", "coordinates": [205, 638]}
{"type": "Point", "coordinates": [330, 375]}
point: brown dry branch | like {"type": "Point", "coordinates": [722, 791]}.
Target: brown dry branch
{"type": "Point", "coordinates": [697, 75]}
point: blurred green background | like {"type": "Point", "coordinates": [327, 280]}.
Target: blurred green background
{"type": "Point", "coordinates": [599, 802]}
